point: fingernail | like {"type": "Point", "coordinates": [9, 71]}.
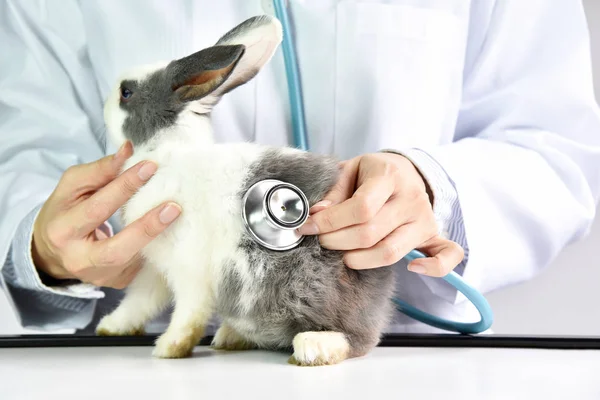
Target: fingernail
{"type": "Point", "coordinates": [169, 213]}
{"type": "Point", "coordinates": [417, 268]}
{"type": "Point", "coordinates": [321, 205]}
{"type": "Point", "coordinates": [121, 152]}
{"type": "Point", "coordinates": [309, 228]}
{"type": "Point", "coordinates": [147, 170]}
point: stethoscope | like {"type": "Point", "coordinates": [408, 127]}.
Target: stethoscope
{"type": "Point", "coordinates": [273, 210]}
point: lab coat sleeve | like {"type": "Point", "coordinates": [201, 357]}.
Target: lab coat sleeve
{"type": "Point", "coordinates": [50, 119]}
{"type": "Point", "coordinates": [526, 159]}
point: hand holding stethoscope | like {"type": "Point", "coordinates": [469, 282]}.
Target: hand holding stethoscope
{"type": "Point", "coordinates": [380, 209]}
{"type": "Point", "coordinates": [378, 212]}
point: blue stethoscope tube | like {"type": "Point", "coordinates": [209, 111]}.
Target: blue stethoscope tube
{"type": "Point", "coordinates": [300, 137]}
{"type": "Point", "coordinates": [293, 78]}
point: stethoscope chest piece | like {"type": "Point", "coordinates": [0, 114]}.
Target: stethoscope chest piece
{"type": "Point", "coordinates": [273, 211]}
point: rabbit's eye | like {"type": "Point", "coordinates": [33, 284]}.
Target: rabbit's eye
{"type": "Point", "coordinates": [126, 93]}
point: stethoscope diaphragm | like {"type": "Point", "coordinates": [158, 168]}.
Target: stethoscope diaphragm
{"type": "Point", "coordinates": [272, 211]}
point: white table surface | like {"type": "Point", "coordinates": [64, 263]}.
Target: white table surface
{"type": "Point", "coordinates": [399, 373]}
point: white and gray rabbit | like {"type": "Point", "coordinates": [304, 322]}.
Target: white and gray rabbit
{"type": "Point", "coordinates": [303, 300]}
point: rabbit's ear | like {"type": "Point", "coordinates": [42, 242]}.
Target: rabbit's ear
{"type": "Point", "coordinates": [197, 75]}
{"type": "Point", "coordinates": [232, 61]}
{"type": "Point", "coordinates": [260, 37]}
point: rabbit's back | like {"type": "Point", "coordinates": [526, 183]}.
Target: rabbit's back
{"type": "Point", "coordinates": [270, 296]}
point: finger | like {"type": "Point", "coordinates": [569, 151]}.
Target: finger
{"type": "Point", "coordinates": [445, 255]}
{"type": "Point", "coordinates": [390, 250]}
{"type": "Point", "coordinates": [343, 188]}
{"type": "Point", "coordinates": [91, 213]}
{"type": "Point", "coordinates": [364, 204]}
{"type": "Point", "coordinates": [320, 206]}
{"type": "Point", "coordinates": [122, 248]}
{"type": "Point", "coordinates": [363, 236]}
{"type": "Point", "coordinates": [99, 234]}
{"type": "Point", "coordinates": [84, 178]}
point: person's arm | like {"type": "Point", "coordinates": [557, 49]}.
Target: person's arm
{"type": "Point", "coordinates": [526, 165]}
{"type": "Point", "coordinates": [50, 119]}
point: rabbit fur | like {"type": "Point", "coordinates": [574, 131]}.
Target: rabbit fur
{"type": "Point", "coordinates": [304, 300]}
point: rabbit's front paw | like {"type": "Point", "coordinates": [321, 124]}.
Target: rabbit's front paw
{"type": "Point", "coordinates": [178, 344]}
{"type": "Point", "coordinates": [111, 325]}
{"type": "Point", "coordinates": [227, 338]}
{"type": "Point", "coordinates": [319, 348]}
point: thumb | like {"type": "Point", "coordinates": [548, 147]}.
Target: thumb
{"type": "Point", "coordinates": [342, 190]}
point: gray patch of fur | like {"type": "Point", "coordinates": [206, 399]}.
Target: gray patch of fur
{"type": "Point", "coordinates": [314, 174]}
{"type": "Point", "coordinates": [152, 107]}
{"type": "Point", "coordinates": [308, 288]}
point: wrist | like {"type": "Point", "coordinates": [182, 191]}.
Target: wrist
{"type": "Point", "coordinates": [426, 185]}
{"type": "Point", "coordinates": [444, 196]}
{"type": "Point", "coordinates": [26, 275]}
{"type": "Point", "coordinates": [49, 268]}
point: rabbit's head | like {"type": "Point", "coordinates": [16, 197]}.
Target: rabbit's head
{"type": "Point", "coordinates": [151, 100]}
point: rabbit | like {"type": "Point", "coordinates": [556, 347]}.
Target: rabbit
{"type": "Point", "coordinates": [304, 301]}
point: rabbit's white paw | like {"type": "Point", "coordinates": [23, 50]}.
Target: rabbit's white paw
{"type": "Point", "coordinates": [319, 348]}
{"type": "Point", "coordinates": [177, 344]}
{"type": "Point", "coordinates": [112, 325]}
{"type": "Point", "coordinates": [227, 338]}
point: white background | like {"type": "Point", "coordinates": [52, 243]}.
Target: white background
{"type": "Point", "coordinates": [563, 300]}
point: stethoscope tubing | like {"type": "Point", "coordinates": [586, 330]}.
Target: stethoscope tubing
{"type": "Point", "coordinates": [293, 78]}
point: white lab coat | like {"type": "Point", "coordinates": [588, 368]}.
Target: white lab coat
{"type": "Point", "coordinates": [498, 92]}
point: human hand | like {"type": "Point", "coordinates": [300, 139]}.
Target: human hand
{"type": "Point", "coordinates": [378, 212]}
{"type": "Point", "coordinates": [67, 243]}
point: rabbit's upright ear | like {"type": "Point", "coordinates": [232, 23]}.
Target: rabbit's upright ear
{"type": "Point", "coordinates": [232, 61]}
{"type": "Point", "coordinates": [260, 37]}
{"type": "Point", "coordinates": [197, 75]}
